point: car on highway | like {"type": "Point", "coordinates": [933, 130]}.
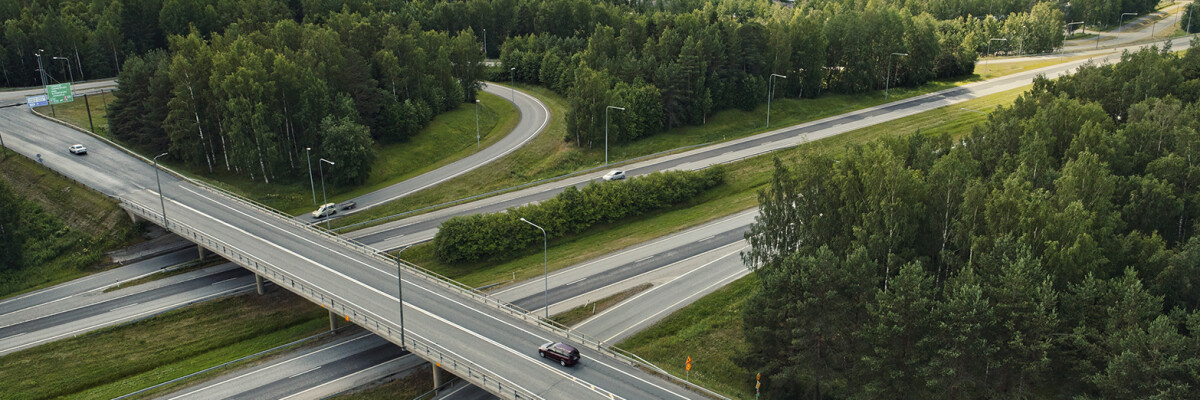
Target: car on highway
{"type": "Point", "coordinates": [615, 174]}
{"type": "Point", "coordinates": [77, 149]}
{"type": "Point", "coordinates": [349, 205]}
{"type": "Point", "coordinates": [565, 354]}
{"type": "Point", "coordinates": [325, 210]}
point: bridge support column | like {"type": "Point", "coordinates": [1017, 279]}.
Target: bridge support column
{"type": "Point", "coordinates": [332, 322]}
{"type": "Point", "coordinates": [440, 376]}
{"type": "Point", "coordinates": [204, 252]}
{"type": "Point", "coordinates": [133, 217]}
{"type": "Point", "coordinates": [258, 280]}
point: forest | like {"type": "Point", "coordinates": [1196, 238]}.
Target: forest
{"type": "Point", "coordinates": [244, 87]}
{"type": "Point", "coordinates": [1051, 253]}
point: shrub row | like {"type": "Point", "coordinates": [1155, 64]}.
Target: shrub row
{"type": "Point", "coordinates": [501, 235]}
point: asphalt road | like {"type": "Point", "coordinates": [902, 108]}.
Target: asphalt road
{"type": "Point", "coordinates": [497, 342]}
{"type": "Point", "coordinates": [534, 117]}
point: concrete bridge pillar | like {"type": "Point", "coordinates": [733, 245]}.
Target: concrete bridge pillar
{"type": "Point", "coordinates": [440, 376]}
{"type": "Point", "coordinates": [204, 252]}
{"type": "Point", "coordinates": [258, 280]}
{"type": "Point", "coordinates": [332, 322]}
{"type": "Point", "coordinates": [132, 216]}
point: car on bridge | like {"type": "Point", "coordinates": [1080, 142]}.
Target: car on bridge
{"type": "Point", "coordinates": [325, 210]}
{"type": "Point", "coordinates": [565, 354]}
{"type": "Point", "coordinates": [614, 175]}
{"type": "Point", "coordinates": [77, 149]}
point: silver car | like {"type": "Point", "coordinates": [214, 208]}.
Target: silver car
{"type": "Point", "coordinates": [615, 174]}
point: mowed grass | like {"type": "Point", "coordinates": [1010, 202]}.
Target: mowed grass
{"type": "Point", "coordinates": [415, 383]}
{"type": "Point", "coordinates": [994, 69]}
{"type": "Point", "coordinates": [449, 137]}
{"type": "Point", "coordinates": [95, 222]}
{"type": "Point", "coordinates": [710, 332]}
{"type": "Point", "coordinates": [120, 360]}
{"type": "Point", "coordinates": [76, 112]}
{"type": "Point", "coordinates": [581, 313]}
{"type": "Point", "coordinates": [739, 192]}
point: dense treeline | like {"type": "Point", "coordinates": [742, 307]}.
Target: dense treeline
{"type": "Point", "coordinates": [498, 236]}
{"type": "Point", "coordinates": [677, 68]}
{"type": "Point", "coordinates": [1051, 253]}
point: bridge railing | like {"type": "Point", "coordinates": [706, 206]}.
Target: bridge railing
{"type": "Point", "coordinates": [444, 359]}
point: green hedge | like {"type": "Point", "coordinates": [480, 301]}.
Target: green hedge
{"type": "Point", "coordinates": [501, 235]}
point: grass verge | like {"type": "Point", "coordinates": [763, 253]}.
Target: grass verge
{"type": "Point", "coordinates": [409, 386]}
{"type": "Point", "coordinates": [119, 360]}
{"type": "Point", "coordinates": [76, 112]}
{"type": "Point", "coordinates": [740, 192]}
{"type": "Point", "coordinates": [92, 225]}
{"type": "Point", "coordinates": [710, 332]}
{"type": "Point", "coordinates": [578, 314]}
{"type": "Point", "coordinates": [189, 266]}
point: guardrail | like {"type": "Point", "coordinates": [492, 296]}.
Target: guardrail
{"type": "Point", "coordinates": [415, 270]}
{"type": "Point", "coordinates": [465, 369]}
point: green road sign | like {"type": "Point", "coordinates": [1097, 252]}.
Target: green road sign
{"type": "Point", "coordinates": [60, 93]}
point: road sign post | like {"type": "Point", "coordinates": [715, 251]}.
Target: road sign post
{"type": "Point", "coordinates": [757, 384]}
{"type": "Point", "coordinates": [688, 368]}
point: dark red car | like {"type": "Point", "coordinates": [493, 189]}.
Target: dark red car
{"type": "Point", "coordinates": [566, 354]}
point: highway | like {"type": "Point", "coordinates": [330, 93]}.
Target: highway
{"type": "Point", "coordinates": [499, 344]}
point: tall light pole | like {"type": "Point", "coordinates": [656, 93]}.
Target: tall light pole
{"type": "Point", "coordinates": [476, 123]}
{"type": "Point", "coordinates": [484, 43]}
{"type": "Point", "coordinates": [324, 200]}
{"type": "Point", "coordinates": [161, 202]}
{"type": "Point", "coordinates": [308, 158]}
{"type": "Point", "coordinates": [1118, 38]}
{"type": "Point", "coordinates": [1190, 11]}
{"type": "Point", "coordinates": [989, 52]}
{"type": "Point", "coordinates": [888, 82]}
{"type": "Point", "coordinates": [770, 94]}
{"type": "Point", "coordinates": [400, 285]}
{"type": "Point", "coordinates": [545, 262]}
{"type": "Point", "coordinates": [606, 131]}
{"type": "Point", "coordinates": [70, 72]}
{"type": "Point", "coordinates": [512, 81]}
{"type": "Point", "coordinates": [2, 148]}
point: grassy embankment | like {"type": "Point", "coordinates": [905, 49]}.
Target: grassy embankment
{"type": "Point", "coordinates": [414, 384]}
{"type": "Point", "coordinates": [449, 137]}
{"type": "Point", "coordinates": [91, 225]}
{"type": "Point", "coordinates": [547, 156]}
{"type": "Point", "coordinates": [578, 314]}
{"type": "Point", "coordinates": [120, 360]}
{"type": "Point", "coordinates": [744, 179]}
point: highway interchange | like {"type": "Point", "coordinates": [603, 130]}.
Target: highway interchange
{"type": "Point", "coordinates": [712, 246]}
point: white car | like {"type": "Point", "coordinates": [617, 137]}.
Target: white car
{"type": "Point", "coordinates": [615, 174]}
{"type": "Point", "coordinates": [77, 149]}
{"type": "Point", "coordinates": [325, 211]}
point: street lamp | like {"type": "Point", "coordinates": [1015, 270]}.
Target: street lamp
{"type": "Point", "coordinates": [1118, 38]}
{"type": "Point", "coordinates": [512, 80]}
{"type": "Point", "coordinates": [888, 82]}
{"type": "Point", "coordinates": [70, 71]}
{"type": "Point", "coordinates": [313, 186]}
{"type": "Point", "coordinates": [476, 123]}
{"type": "Point", "coordinates": [989, 52]}
{"type": "Point", "coordinates": [545, 262]}
{"type": "Point", "coordinates": [324, 200]}
{"type": "Point", "coordinates": [161, 202]}
{"type": "Point", "coordinates": [485, 43]}
{"type": "Point", "coordinates": [770, 94]}
{"type": "Point", "coordinates": [606, 131]}
{"type": "Point", "coordinates": [400, 285]}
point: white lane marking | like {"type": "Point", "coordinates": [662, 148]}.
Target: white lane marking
{"type": "Point", "coordinates": [644, 258]}
{"type": "Point", "coordinates": [360, 336]}
{"type": "Point", "coordinates": [460, 388]}
{"type": "Point", "coordinates": [720, 282]}
{"type": "Point", "coordinates": [13, 336]}
{"type": "Point", "coordinates": [576, 281]}
{"type": "Point", "coordinates": [654, 243]}
{"type": "Point", "coordinates": [118, 320]}
{"type": "Point", "coordinates": [145, 288]}
{"type": "Point", "coordinates": [485, 162]}
{"type": "Point", "coordinates": [639, 295]}
{"type": "Point", "coordinates": [123, 307]}
{"type": "Point", "coordinates": [706, 238]}
{"type": "Point", "coordinates": [305, 372]}
{"type": "Point", "coordinates": [227, 280]}
{"type": "Point", "coordinates": [362, 371]}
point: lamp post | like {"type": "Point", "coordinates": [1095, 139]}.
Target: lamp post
{"type": "Point", "coordinates": [313, 186]}
{"type": "Point", "coordinates": [2, 148]}
{"type": "Point", "coordinates": [70, 72]}
{"type": "Point", "coordinates": [400, 285]}
{"type": "Point", "coordinates": [476, 123]}
{"type": "Point", "coordinates": [1118, 38]}
{"type": "Point", "coordinates": [161, 202]}
{"type": "Point", "coordinates": [324, 200]}
{"type": "Point", "coordinates": [985, 62]}
{"type": "Point", "coordinates": [485, 43]}
{"type": "Point", "coordinates": [545, 263]}
{"type": "Point", "coordinates": [888, 82]}
{"type": "Point", "coordinates": [512, 80]}
{"type": "Point", "coordinates": [770, 94]}
{"type": "Point", "coordinates": [606, 131]}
